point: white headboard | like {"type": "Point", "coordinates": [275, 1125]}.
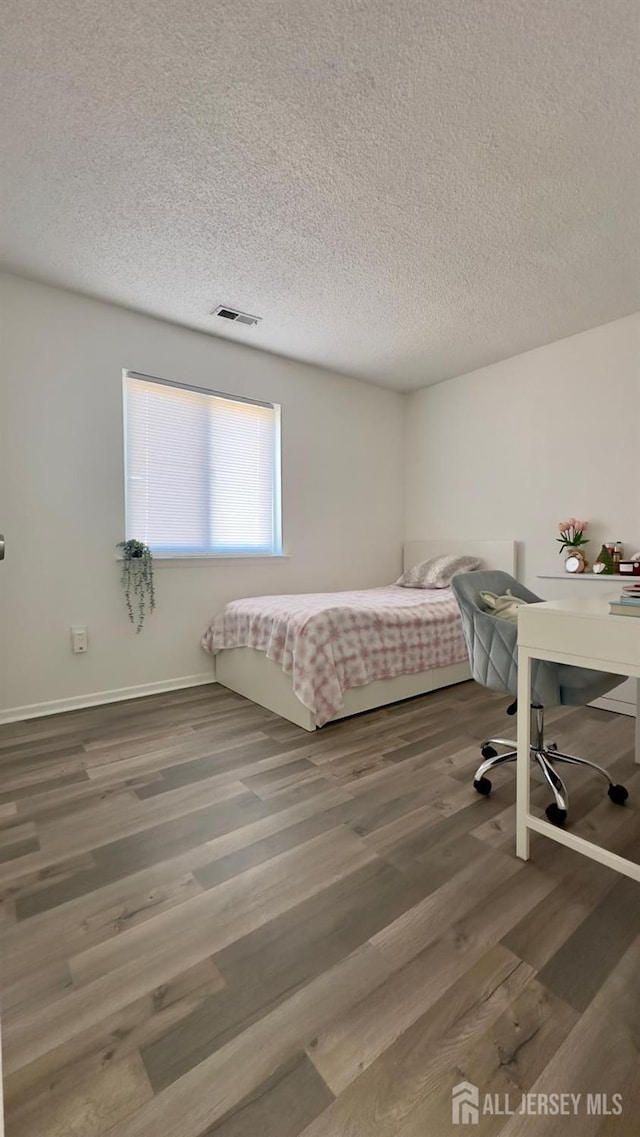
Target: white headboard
{"type": "Point", "coordinates": [493, 554]}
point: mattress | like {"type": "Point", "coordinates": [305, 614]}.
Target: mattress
{"type": "Point", "coordinates": [330, 642]}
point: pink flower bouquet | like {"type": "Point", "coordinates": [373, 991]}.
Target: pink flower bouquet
{"type": "Point", "coordinates": [572, 534]}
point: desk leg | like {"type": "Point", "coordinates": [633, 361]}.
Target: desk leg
{"type": "Point", "coordinates": [523, 772]}
{"type": "Point", "coordinates": [638, 721]}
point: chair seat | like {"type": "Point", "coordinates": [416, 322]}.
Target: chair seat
{"type": "Point", "coordinates": [492, 644]}
{"type": "Point", "coordinates": [493, 654]}
{"type": "Point", "coordinates": [581, 685]}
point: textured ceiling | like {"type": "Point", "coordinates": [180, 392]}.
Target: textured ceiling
{"type": "Point", "coordinates": [403, 191]}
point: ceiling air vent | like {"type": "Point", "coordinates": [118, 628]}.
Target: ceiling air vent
{"type": "Point", "coordinates": [227, 313]}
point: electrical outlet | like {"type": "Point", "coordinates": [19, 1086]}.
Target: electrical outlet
{"type": "Point", "coordinates": [79, 641]}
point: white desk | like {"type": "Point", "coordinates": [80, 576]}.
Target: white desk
{"type": "Point", "coordinates": [581, 631]}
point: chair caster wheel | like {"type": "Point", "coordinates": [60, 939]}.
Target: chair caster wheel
{"type": "Point", "coordinates": [489, 752]}
{"type": "Point", "coordinates": [556, 815]}
{"type": "Point", "coordinates": [482, 785]}
{"type": "Point", "coordinates": [618, 794]}
{"type": "Point", "coordinates": [552, 746]}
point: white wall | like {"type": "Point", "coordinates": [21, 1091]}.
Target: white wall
{"type": "Point", "coordinates": [62, 493]}
{"type": "Point", "coordinates": [511, 449]}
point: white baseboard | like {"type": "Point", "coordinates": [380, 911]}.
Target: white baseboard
{"type": "Point", "coordinates": [620, 706]}
{"type": "Point", "coordinates": [76, 703]}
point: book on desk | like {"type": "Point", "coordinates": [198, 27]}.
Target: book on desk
{"type": "Point", "coordinates": [628, 603]}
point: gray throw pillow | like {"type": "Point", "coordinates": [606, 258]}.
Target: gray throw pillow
{"type": "Point", "coordinates": [437, 572]}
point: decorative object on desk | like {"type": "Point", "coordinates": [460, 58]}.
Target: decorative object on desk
{"type": "Point", "coordinates": [604, 562]}
{"type": "Point", "coordinates": [617, 553]}
{"type": "Point", "coordinates": [629, 568]}
{"type": "Point", "coordinates": [137, 580]}
{"type": "Point", "coordinates": [572, 534]}
{"type": "Point", "coordinates": [571, 539]}
{"type": "Point", "coordinates": [576, 562]}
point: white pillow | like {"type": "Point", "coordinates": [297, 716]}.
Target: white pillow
{"type": "Point", "coordinates": [437, 572]}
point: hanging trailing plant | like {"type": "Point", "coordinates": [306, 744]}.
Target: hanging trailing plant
{"type": "Point", "coordinates": [137, 581]}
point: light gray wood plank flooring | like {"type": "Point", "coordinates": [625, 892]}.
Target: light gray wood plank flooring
{"type": "Point", "coordinates": [217, 925]}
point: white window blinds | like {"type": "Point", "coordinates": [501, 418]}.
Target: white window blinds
{"type": "Point", "coordinates": [201, 470]}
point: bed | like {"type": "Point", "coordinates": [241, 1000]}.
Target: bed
{"type": "Point", "coordinates": [319, 657]}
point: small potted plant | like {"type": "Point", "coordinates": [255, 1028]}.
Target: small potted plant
{"type": "Point", "coordinates": [571, 539]}
{"type": "Point", "coordinates": [137, 580]}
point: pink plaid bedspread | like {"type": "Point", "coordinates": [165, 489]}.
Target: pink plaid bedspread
{"type": "Point", "coordinates": [332, 641]}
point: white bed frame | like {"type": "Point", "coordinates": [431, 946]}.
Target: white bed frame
{"type": "Point", "coordinates": [251, 674]}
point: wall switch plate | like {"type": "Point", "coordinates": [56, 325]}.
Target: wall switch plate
{"type": "Point", "coordinates": [79, 641]}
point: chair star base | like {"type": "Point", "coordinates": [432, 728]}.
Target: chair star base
{"type": "Point", "coordinates": [547, 757]}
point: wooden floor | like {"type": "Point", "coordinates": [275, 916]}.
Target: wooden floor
{"type": "Point", "coordinates": [218, 925]}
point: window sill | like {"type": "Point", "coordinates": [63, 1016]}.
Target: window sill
{"type": "Point", "coordinates": [191, 560]}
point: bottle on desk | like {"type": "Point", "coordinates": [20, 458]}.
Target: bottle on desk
{"type": "Point", "coordinates": [617, 554]}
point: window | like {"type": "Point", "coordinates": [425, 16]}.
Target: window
{"type": "Point", "coordinates": [202, 470]}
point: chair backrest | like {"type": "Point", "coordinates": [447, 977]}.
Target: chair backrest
{"type": "Point", "coordinates": [492, 642]}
